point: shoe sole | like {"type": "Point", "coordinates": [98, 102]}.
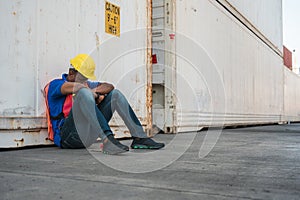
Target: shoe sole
{"type": "Point", "coordinates": [113, 153]}
{"type": "Point", "coordinates": [145, 147]}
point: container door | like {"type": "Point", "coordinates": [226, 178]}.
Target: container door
{"type": "Point", "coordinates": [164, 66]}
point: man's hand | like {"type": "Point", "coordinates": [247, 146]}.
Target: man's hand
{"type": "Point", "coordinates": [104, 88]}
{"type": "Point", "coordinates": [98, 97]}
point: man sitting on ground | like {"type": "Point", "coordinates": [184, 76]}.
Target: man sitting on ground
{"type": "Point", "coordinates": [80, 110]}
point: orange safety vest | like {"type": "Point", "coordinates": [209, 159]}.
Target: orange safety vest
{"type": "Point", "coordinates": [65, 111]}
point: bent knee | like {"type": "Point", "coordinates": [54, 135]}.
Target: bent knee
{"type": "Point", "coordinates": [116, 93]}
{"type": "Point", "coordinates": [85, 93]}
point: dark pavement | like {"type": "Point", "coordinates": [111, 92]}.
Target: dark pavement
{"type": "Point", "coordinates": [246, 163]}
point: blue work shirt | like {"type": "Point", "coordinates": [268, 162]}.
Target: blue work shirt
{"type": "Point", "coordinates": [56, 101]}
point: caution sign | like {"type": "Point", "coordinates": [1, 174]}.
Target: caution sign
{"type": "Point", "coordinates": [112, 19]}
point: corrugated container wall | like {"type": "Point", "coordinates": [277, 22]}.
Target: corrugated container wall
{"type": "Point", "coordinates": [265, 15]}
{"type": "Point", "coordinates": [229, 64]}
{"type": "Point", "coordinates": [38, 38]}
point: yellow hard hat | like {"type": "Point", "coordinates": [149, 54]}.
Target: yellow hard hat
{"type": "Point", "coordinates": [85, 65]}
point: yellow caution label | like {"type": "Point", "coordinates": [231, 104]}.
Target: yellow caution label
{"type": "Point", "coordinates": [112, 19]}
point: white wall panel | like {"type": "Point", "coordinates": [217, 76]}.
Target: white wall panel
{"type": "Point", "coordinates": [38, 38]}
{"type": "Point", "coordinates": [232, 73]}
{"type": "Point", "coordinates": [266, 16]}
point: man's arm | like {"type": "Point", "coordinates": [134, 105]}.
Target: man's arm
{"type": "Point", "coordinates": [71, 87]}
{"type": "Point", "coordinates": [104, 88]}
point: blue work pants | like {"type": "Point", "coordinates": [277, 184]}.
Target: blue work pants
{"type": "Point", "coordinates": [88, 121]}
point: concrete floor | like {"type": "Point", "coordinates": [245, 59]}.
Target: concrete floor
{"type": "Point", "coordinates": [247, 163]}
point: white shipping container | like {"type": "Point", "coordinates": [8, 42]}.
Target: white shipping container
{"type": "Point", "coordinates": [39, 38]}
{"type": "Point", "coordinates": [265, 15]}
{"type": "Point", "coordinates": [224, 66]}
{"type": "Point", "coordinates": [215, 63]}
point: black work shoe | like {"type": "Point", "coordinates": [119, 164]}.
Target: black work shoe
{"type": "Point", "coordinates": [146, 143]}
{"type": "Point", "coordinates": [113, 146]}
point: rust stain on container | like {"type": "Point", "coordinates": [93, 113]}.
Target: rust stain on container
{"type": "Point", "coordinates": [137, 79]}
{"type": "Point", "coordinates": [19, 142]}
{"type": "Point", "coordinates": [97, 40]}
{"type": "Point", "coordinates": [127, 132]}
{"type": "Point", "coordinates": [149, 69]}
{"type": "Point", "coordinates": [35, 130]}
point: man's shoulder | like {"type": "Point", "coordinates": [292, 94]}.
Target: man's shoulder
{"type": "Point", "coordinates": [55, 85]}
{"type": "Point", "coordinates": [55, 82]}
{"type": "Point", "coordinates": [58, 80]}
